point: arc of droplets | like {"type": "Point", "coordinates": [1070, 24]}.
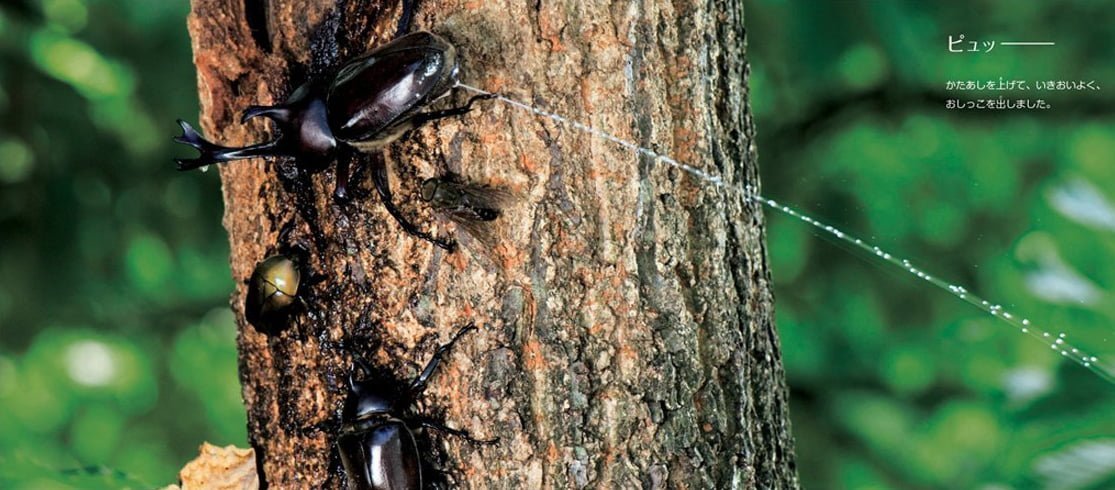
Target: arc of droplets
{"type": "Point", "coordinates": [1056, 342]}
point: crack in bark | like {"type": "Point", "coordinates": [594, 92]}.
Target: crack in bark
{"type": "Point", "coordinates": [255, 15]}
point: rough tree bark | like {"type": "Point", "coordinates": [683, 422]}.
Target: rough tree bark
{"type": "Point", "coordinates": [626, 335]}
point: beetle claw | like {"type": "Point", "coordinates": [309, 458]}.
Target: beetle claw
{"type": "Point", "coordinates": [189, 136]}
{"type": "Point", "coordinates": [192, 138]}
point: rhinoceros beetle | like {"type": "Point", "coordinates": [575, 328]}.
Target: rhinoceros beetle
{"type": "Point", "coordinates": [367, 104]}
{"type": "Point", "coordinates": [377, 441]}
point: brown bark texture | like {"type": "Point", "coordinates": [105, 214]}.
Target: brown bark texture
{"type": "Point", "coordinates": [626, 337]}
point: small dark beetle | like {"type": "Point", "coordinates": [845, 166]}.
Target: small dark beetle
{"type": "Point", "coordinates": [377, 444]}
{"type": "Point", "coordinates": [280, 284]}
{"type": "Point", "coordinates": [272, 290]}
{"type": "Point", "coordinates": [369, 103]}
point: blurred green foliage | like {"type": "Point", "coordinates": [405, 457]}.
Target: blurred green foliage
{"type": "Point", "coordinates": [114, 362]}
{"type": "Point", "coordinates": [896, 384]}
{"type": "Point", "coordinates": [115, 365]}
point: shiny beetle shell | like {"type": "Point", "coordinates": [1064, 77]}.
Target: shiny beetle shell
{"type": "Point", "coordinates": [381, 455]}
{"type": "Point", "coordinates": [373, 93]}
{"type": "Point", "coordinates": [272, 289]}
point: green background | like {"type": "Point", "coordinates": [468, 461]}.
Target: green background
{"type": "Point", "coordinates": [896, 384]}
{"type": "Point", "coordinates": [117, 355]}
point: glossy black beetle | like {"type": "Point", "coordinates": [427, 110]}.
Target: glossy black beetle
{"type": "Point", "coordinates": [377, 444]}
{"type": "Point", "coordinates": [369, 103]}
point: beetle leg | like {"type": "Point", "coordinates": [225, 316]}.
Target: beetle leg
{"type": "Point", "coordinates": [330, 426]}
{"type": "Point", "coordinates": [212, 153]}
{"type": "Point", "coordinates": [425, 117]}
{"type": "Point", "coordinates": [314, 279]}
{"type": "Point", "coordinates": [285, 232]}
{"type": "Point", "coordinates": [379, 176]}
{"type": "Point", "coordinates": [430, 424]}
{"type": "Point", "coordinates": [340, 191]}
{"type": "Point", "coordinates": [419, 384]}
{"type": "Point", "coordinates": [336, 471]}
{"type": "Point", "coordinates": [408, 6]}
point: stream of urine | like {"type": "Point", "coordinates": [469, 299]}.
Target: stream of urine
{"type": "Point", "coordinates": [1056, 340]}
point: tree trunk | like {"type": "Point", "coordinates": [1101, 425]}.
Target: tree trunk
{"type": "Point", "coordinates": [625, 319]}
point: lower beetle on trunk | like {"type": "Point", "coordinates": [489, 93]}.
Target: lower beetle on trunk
{"type": "Point", "coordinates": [376, 443]}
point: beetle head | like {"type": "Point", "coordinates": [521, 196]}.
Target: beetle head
{"type": "Point", "coordinates": [370, 396]}
{"type": "Point", "coordinates": [303, 134]}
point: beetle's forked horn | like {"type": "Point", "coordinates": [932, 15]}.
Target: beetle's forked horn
{"type": "Point", "coordinates": [212, 153]}
{"type": "Point", "coordinates": [279, 114]}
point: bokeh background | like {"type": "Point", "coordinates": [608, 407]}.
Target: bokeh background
{"type": "Point", "coordinates": [896, 384]}
{"type": "Point", "coordinates": [117, 355]}
{"type": "Point", "coordinates": [117, 348]}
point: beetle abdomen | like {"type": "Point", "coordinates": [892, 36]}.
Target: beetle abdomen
{"type": "Point", "coordinates": [378, 89]}
{"type": "Point", "coordinates": [384, 457]}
